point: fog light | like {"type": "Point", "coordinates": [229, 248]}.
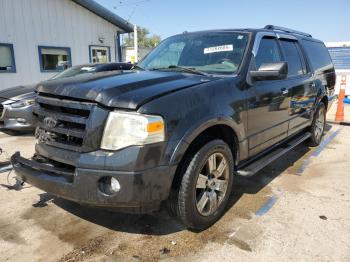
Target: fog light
{"type": "Point", "coordinates": [108, 185]}
{"type": "Point", "coordinates": [115, 186]}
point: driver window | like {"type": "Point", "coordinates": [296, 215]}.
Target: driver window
{"type": "Point", "coordinates": [268, 52]}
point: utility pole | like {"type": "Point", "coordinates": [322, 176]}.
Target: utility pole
{"type": "Point", "coordinates": [135, 44]}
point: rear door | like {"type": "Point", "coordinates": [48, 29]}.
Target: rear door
{"type": "Point", "coordinates": [301, 87]}
{"type": "Point", "coordinates": [268, 100]}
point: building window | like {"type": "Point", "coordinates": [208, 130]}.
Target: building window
{"type": "Point", "coordinates": [99, 54]}
{"type": "Point", "coordinates": [54, 59]}
{"type": "Point", "coordinates": [7, 59]}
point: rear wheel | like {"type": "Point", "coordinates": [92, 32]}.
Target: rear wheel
{"type": "Point", "coordinates": [206, 185]}
{"type": "Point", "coordinates": [318, 125]}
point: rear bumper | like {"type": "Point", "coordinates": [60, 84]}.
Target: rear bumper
{"type": "Point", "coordinates": [140, 192]}
{"type": "Point", "coordinates": [21, 119]}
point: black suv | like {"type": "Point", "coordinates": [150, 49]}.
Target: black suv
{"type": "Point", "coordinates": [199, 109]}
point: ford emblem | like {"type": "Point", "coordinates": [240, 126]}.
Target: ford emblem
{"type": "Point", "coordinates": [49, 122]}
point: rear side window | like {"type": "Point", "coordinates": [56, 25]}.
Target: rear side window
{"type": "Point", "coordinates": [268, 52]}
{"type": "Point", "coordinates": [292, 57]}
{"type": "Point", "coordinates": [318, 55]}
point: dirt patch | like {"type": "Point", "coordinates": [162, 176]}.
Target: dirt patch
{"type": "Point", "coordinates": [152, 248]}
{"type": "Point", "coordinates": [152, 240]}
{"type": "Point", "coordinates": [11, 233]}
{"type": "Point", "coordinates": [70, 229]}
{"type": "Point", "coordinates": [94, 246]}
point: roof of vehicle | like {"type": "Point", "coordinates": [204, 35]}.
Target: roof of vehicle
{"type": "Point", "coordinates": [267, 28]}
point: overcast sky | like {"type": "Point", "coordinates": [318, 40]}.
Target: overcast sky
{"type": "Point", "coordinates": [324, 19]}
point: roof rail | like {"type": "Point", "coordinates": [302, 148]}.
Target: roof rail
{"type": "Point", "coordinates": [287, 30]}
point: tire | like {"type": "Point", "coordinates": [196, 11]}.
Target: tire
{"type": "Point", "coordinates": [318, 125]}
{"type": "Point", "coordinates": [205, 186]}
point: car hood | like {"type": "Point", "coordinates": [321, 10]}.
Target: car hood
{"type": "Point", "coordinates": [13, 92]}
{"type": "Point", "coordinates": [121, 89]}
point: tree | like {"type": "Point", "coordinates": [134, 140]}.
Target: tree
{"type": "Point", "coordinates": [144, 40]}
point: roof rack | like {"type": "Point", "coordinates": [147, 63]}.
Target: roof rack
{"type": "Point", "coordinates": [287, 30]}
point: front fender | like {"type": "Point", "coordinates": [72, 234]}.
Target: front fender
{"type": "Point", "coordinates": [190, 111]}
{"type": "Point", "coordinates": [203, 125]}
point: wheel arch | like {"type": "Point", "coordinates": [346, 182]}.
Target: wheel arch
{"type": "Point", "coordinates": [324, 99]}
{"type": "Point", "coordinates": [216, 129]}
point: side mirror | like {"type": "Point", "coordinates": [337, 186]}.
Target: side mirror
{"type": "Point", "coordinates": [271, 71]}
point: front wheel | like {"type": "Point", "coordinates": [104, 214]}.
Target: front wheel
{"type": "Point", "coordinates": [206, 185]}
{"type": "Point", "coordinates": [318, 125]}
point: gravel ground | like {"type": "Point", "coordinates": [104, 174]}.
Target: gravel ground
{"type": "Point", "coordinates": [296, 209]}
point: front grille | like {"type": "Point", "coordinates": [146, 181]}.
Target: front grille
{"type": "Point", "coordinates": [63, 122]}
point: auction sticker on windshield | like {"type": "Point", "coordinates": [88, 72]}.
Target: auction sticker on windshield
{"type": "Point", "coordinates": [220, 48]}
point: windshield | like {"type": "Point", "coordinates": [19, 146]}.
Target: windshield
{"type": "Point", "coordinates": [73, 71]}
{"type": "Point", "coordinates": [214, 52]}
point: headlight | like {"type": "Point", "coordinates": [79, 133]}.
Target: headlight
{"type": "Point", "coordinates": [22, 103]}
{"type": "Point", "coordinates": [127, 128]}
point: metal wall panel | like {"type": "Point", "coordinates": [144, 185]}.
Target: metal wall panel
{"type": "Point", "coordinates": [29, 24]}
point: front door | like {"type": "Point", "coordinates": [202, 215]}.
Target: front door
{"type": "Point", "coordinates": [268, 102]}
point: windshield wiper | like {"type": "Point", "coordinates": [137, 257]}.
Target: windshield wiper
{"type": "Point", "coordinates": [183, 69]}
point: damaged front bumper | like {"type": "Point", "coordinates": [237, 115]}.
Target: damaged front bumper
{"type": "Point", "coordinates": [140, 192]}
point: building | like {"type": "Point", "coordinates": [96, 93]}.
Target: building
{"type": "Point", "coordinates": [340, 53]}
{"type": "Point", "coordinates": [39, 38]}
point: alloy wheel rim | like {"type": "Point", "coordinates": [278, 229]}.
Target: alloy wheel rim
{"type": "Point", "coordinates": [319, 124]}
{"type": "Point", "coordinates": [211, 186]}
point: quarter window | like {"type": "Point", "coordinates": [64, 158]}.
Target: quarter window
{"type": "Point", "coordinates": [99, 54]}
{"type": "Point", "coordinates": [318, 55]}
{"type": "Point", "coordinates": [292, 57]}
{"type": "Point", "coordinates": [53, 59]}
{"type": "Point", "coordinates": [7, 59]}
{"type": "Point", "coordinates": [268, 52]}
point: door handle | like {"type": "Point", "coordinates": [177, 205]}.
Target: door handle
{"type": "Point", "coordinates": [284, 91]}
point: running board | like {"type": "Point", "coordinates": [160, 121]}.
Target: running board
{"type": "Point", "coordinates": [260, 163]}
